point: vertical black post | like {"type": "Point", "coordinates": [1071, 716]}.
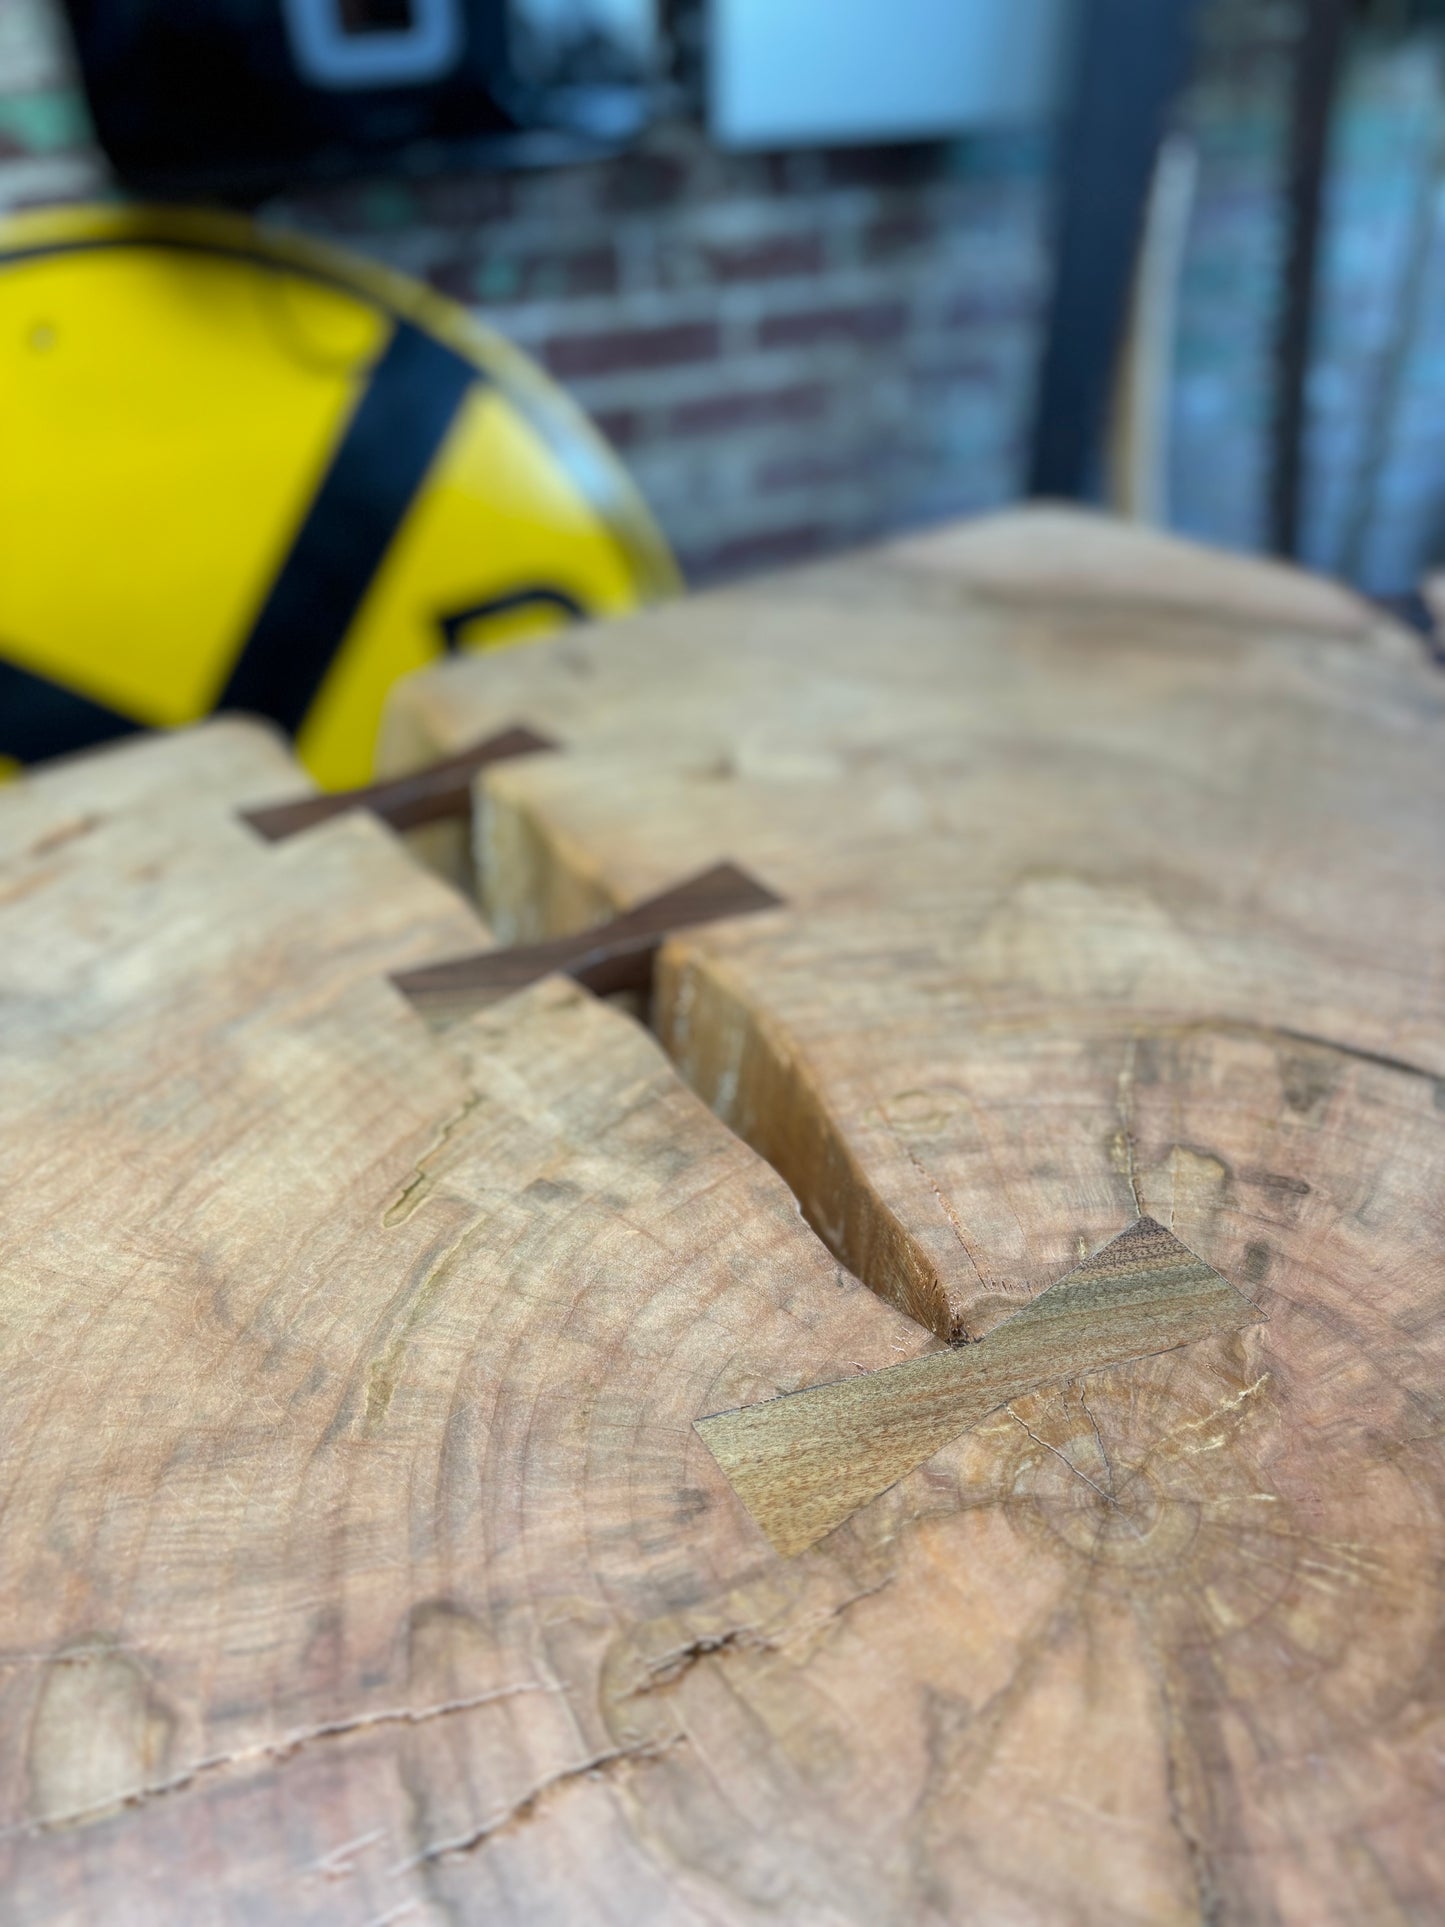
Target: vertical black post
{"type": "Point", "coordinates": [1318, 53]}
{"type": "Point", "coordinates": [1130, 60]}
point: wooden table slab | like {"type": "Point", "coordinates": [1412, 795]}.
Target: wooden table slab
{"type": "Point", "coordinates": [401, 1518]}
{"type": "Point", "coordinates": [1002, 805]}
{"type": "Point", "coordinates": [358, 1545]}
{"type": "Point", "coordinates": [1115, 892]}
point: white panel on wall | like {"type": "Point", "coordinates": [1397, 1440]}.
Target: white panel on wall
{"type": "Point", "coordinates": [788, 73]}
{"type": "Point", "coordinates": [628, 26]}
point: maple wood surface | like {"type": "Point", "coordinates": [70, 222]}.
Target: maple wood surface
{"type": "Point", "coordinates": [991, 782]}
{"type": "Point", "coordinates": [395, 1524]}
{"type": "Point", "coordinates": [358, 1544]}
{"type": "Point", "coordinates": [1114, 888]}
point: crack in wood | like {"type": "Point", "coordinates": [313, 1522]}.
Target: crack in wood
{"type": "Point", "coordinates": [596, 1767]}
{"type": "Point", "coordinates": [1108, 1497]}
{"type": "Point", "coordinates": [276, 1750]}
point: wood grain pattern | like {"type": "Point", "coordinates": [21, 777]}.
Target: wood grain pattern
{"type": "Point", "coordinates": [362, 1558]}
{"type": "Point", "coordinates": [1114, 877]}
{"type": "Point", "coordinates": [962, 779]}
{"type": "Point", "coordinates": [805, 1463]}
{"type": "Point", "coordinates": [340, 1584]}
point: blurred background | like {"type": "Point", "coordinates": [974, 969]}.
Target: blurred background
{"type": "Point", "coordinates": [824, 269]}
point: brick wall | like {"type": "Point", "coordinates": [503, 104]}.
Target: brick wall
{"type": "Point", "coordinates": [1374, 474]}
{"type": "Point", "coordinates": [791, 352]}
{"type": "Point", "coordinates": [794, 352]}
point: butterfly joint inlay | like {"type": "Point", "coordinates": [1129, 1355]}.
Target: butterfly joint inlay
{"type": "Point", "coordinates": [804, 1463]}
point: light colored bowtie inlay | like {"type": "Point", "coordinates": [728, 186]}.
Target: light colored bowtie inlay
{"type": "Point", "coordinates": [804, 1463]}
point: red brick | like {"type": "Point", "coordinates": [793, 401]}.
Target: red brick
{"type": "Point", "coordinates": [806, 471]}
{"type": "Point", "coordinates": [770, 259]}
{"type": "Point", "coordinates": [684, 262]}
{"type": "Point", "coordinates": [867, 324]}
{"type": "Point", "coordinates": [648, 180]}
{"type": "Point", "coordinates": [897, 235]}
{"type": "Point", "coordinates": [621, 426]}
{"type": "Point", "coordinates": [766, 549]}
{"type": "Point", "coordinates": [612, 351]}
{"type": "Point", "coordinates": [719, 414]}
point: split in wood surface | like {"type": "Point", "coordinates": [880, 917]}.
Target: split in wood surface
{"type": "Point", "coordinates": [1115, 888]}
{"type": "Point", "coordinates": [1034, 763]}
